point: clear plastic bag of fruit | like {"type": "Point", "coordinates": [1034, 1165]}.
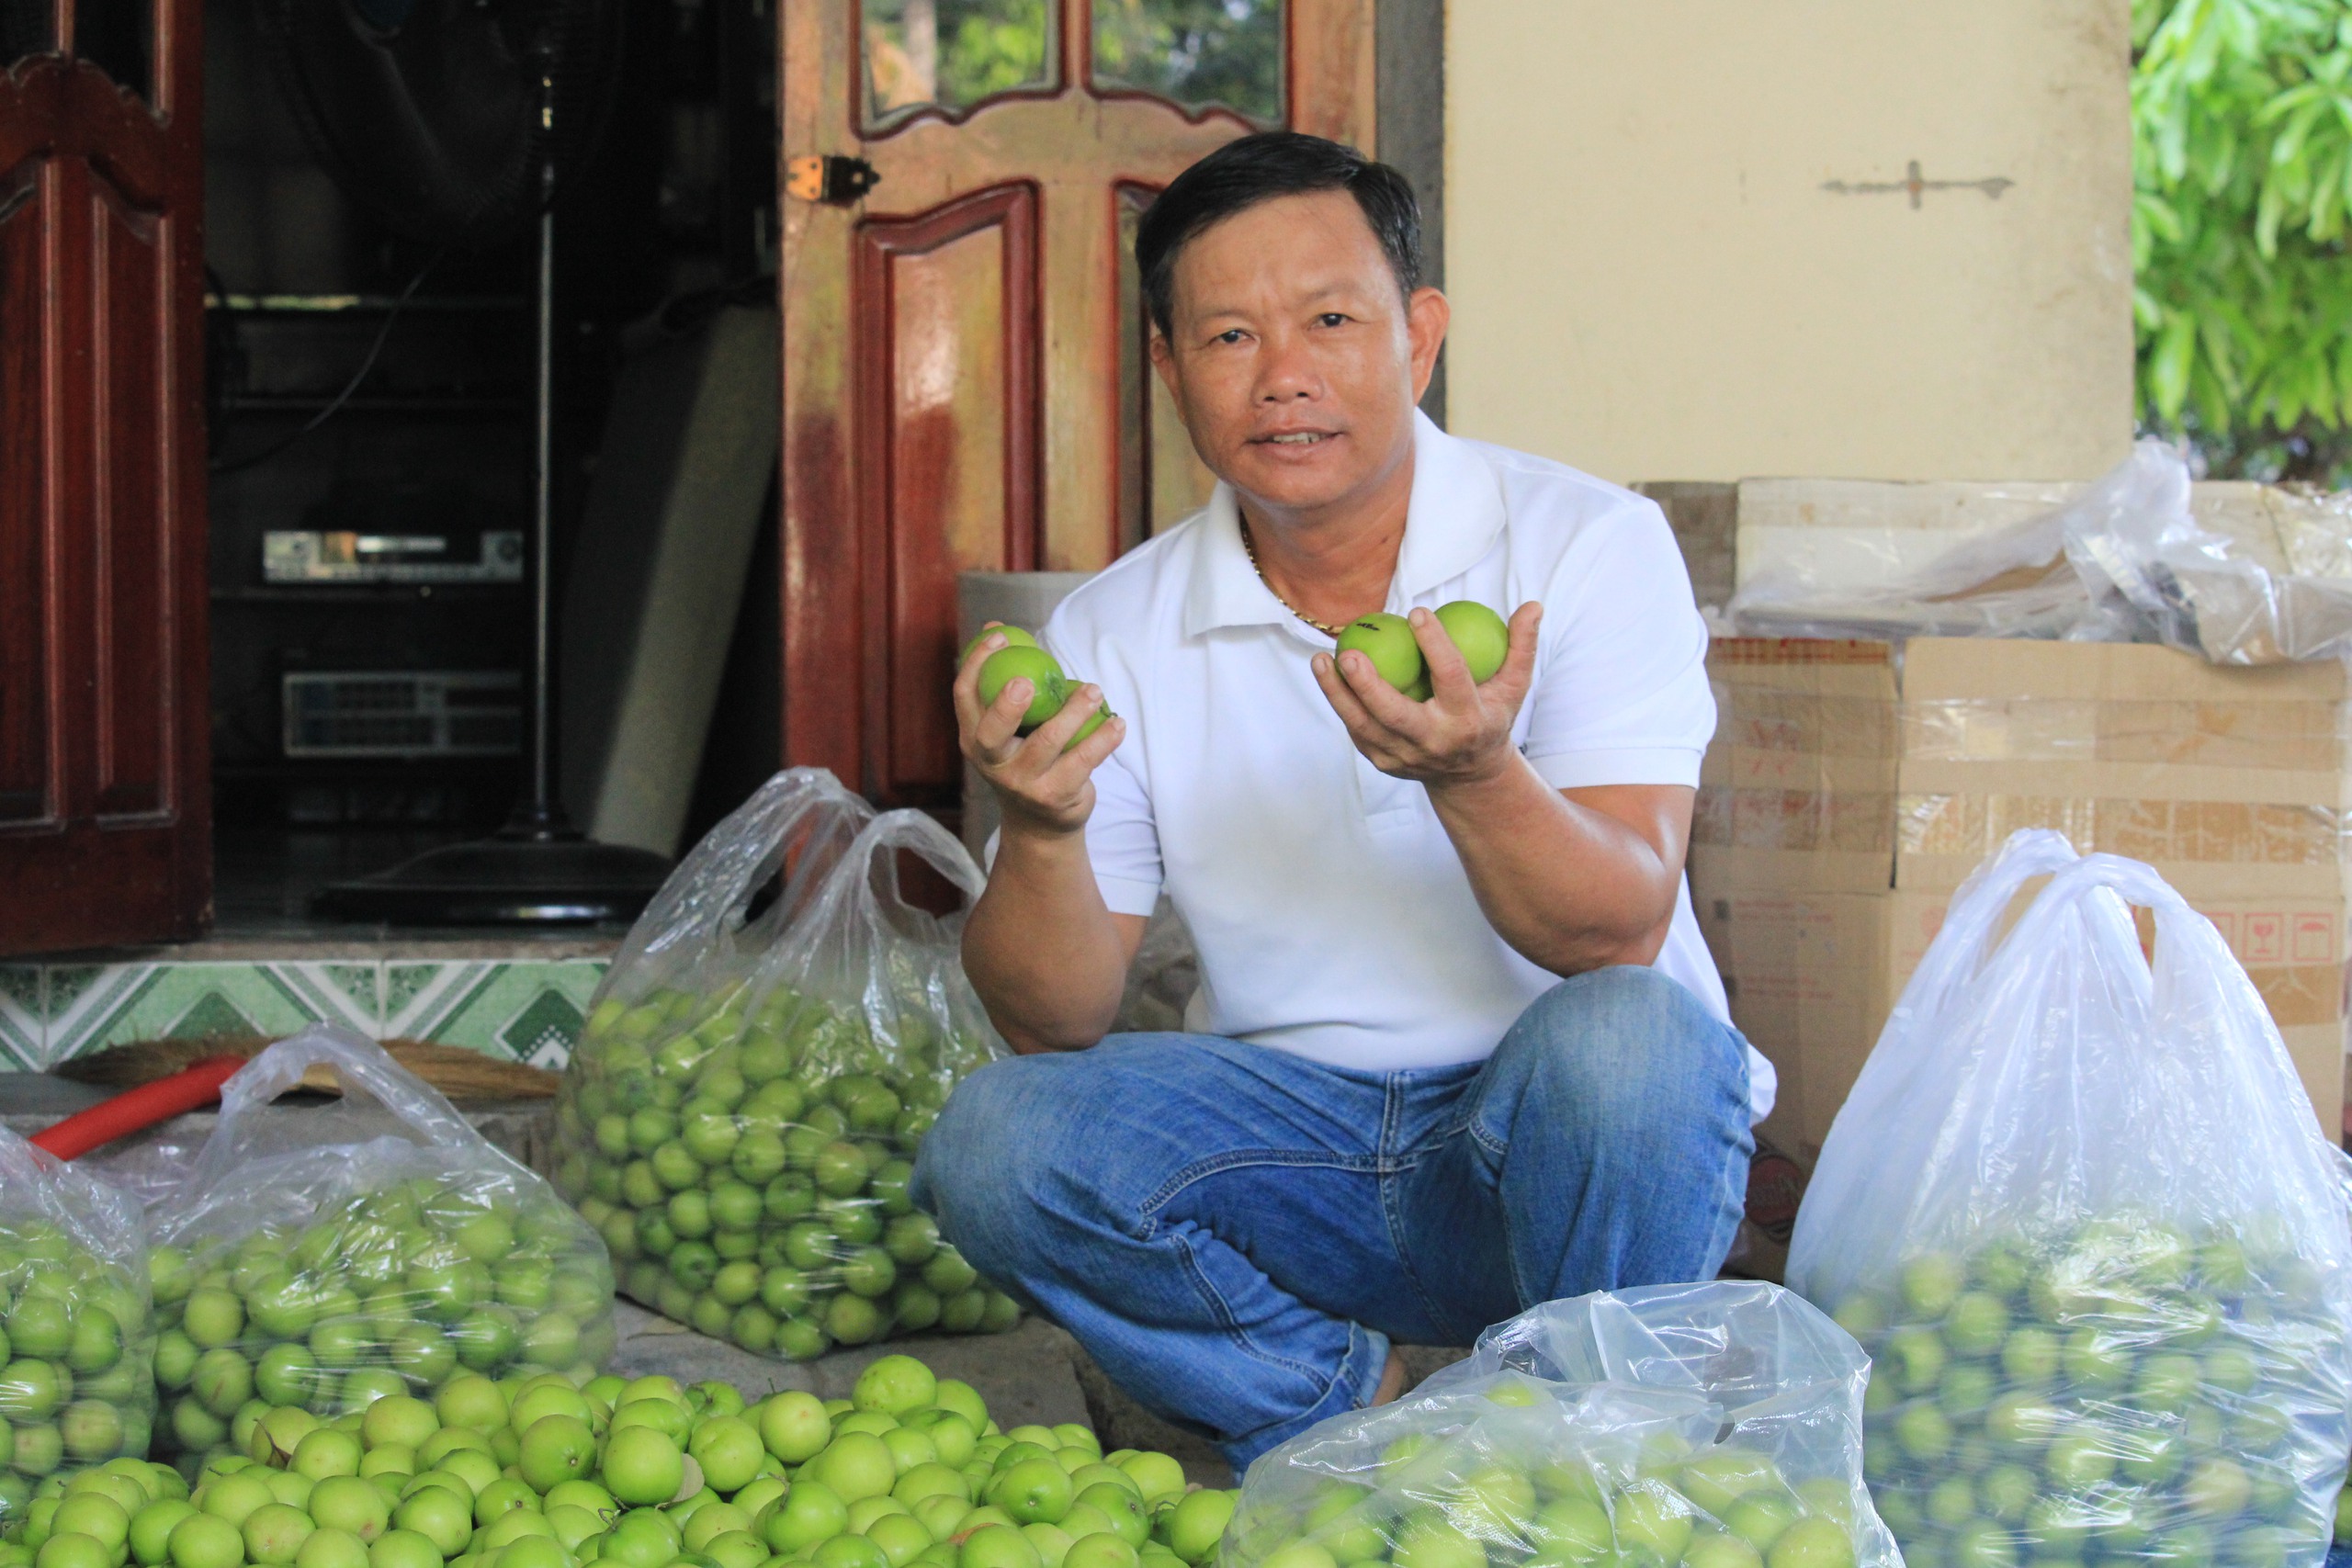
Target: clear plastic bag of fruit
{"type": "Point", "coordinates": [1717, 1425]}
{"type": "Point", "coordinates": [2080, 1213]}
{"type": "Point", "coordinates": [741, 1115]}
{"type": "Point", "coordinates": [373, 1245]}
{"type": "Point", "coordinates": [77, 1337]}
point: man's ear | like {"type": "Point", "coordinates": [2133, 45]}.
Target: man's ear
{"type": "Point", "coordinates": [1163, 360]}
{"type": "Point", "coordinates": [1427, 315]}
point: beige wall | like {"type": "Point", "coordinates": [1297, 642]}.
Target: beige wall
{"type": "Point", "coordinates": [1650, 281]}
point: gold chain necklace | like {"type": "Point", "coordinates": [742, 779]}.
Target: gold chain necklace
{"type": "Point", "coordinates": [1250, 546]}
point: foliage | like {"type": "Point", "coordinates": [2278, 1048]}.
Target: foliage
{"type": "Point", "coordinates": [957, 52]}
{"type": "Point", "coordinates": [952, 52]}
{"type": "Point", "coordinates": [2242, 116]}
{"type": "Point", "coordinates": [1195, 51]}
{"type": "Point", "coordinates": [987, 48]}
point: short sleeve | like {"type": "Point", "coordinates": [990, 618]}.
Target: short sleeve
{"type": "Point", "coordinates": [1122, 840]}
{"type": "Point", "coordinates": [1621, 693]}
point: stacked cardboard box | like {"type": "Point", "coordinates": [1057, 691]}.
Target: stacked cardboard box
{"type": "Point", "coordinates": [1853, 785]}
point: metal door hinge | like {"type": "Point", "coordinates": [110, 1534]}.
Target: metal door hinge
{"type": "Point", "coordinates": [828, 179]}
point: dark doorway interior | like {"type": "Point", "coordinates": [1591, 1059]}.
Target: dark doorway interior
{"type": "Point", "coordinates": [360, 714]}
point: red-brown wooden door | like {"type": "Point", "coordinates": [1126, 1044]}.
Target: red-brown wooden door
{"type": "Point", "coordinates": [964, 376]}
{"type": "Point", "coordinates": [104, 799]}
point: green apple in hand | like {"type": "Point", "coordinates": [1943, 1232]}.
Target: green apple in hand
{"type": "Point", "coordinates": [1479, 633]}
{"type": "Point", "coordinates": [1034, 665]}
{"type": "Point", "coordinates": [1388, 641]}
{"type": "Point", "coordinates": [1013, 638]}
{"type": "Point", "coordinates": [1065, 690]}
{"type": "Point", "coordinates": [1050, 689]}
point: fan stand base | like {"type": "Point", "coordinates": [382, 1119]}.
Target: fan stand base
{"type": "Point", "coordinates": [535, 871]}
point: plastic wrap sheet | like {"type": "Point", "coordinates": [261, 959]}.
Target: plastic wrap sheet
{"type": "Point", "coordinates": [2123, 561]}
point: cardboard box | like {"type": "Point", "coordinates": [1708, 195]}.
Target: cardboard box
{"type": "Point", "coordinates": [1853, 785]}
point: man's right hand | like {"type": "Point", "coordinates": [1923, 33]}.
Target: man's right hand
{"type": "Point", "coordinates": [1039, 786]}
{"type": "Point", "coordinates": [1047, 958]}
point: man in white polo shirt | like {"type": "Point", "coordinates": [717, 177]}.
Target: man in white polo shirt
{"type": "Point", "coordinates": [1459, 1047]}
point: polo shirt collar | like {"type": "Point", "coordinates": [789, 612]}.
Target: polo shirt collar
{"type": "Point", "coordinates": [1452, 520]}
{"type": "Point", "coordinates": [1226, 590]}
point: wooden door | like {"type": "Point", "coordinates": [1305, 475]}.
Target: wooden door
{"type": "Point", "coordinates": [965, 386]}
{"type": "Point", "coordinates": [103, 801]}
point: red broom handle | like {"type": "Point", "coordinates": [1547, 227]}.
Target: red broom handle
{"type": "Point", "coordinates": [142, 1107]}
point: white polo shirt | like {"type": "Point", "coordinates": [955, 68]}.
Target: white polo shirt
{"type": "Point", "coordinates": [1331, 913]}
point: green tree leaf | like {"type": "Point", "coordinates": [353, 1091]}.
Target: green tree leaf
{"type": "Point", "coordinates": [2242, 168]}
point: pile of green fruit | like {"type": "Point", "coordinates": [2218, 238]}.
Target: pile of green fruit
{"type": "Point", "coordinates": [1480, 634]}
{"type": "Point", "coordinates": [1623, 1485]}
{"type": "Point", "coordinates": [77, 1343]}
{"type": "Point", "coordinates": [2113, 1392]}
{"type": "Point", "coordinates": [1020, 658]}
{"type": "Point", "coordinates": [396, 1291]}
{"type": "Point", "coordinates": [746, 1159]}
{"type": "Point", "coordinates": [537, 1474]}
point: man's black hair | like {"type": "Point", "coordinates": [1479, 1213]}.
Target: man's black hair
{"type": "Point", "coordinates": [1258, 168]}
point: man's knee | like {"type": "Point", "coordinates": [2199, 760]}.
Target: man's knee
{"type": "Point", "coordinates": [1621, 1047]}
{"type": "Point", "coordinates": [1024, 1151]}
{"type": "Point", "coordinates": [977, 1169]}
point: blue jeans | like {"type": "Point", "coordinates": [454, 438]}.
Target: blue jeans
{"type": "Point", "coordinates": [1235, 1234]}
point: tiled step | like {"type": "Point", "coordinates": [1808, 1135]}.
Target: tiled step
{"type": "Point", "coordinates": [521, 999]}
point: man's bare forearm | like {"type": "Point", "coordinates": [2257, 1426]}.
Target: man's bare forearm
{"type": "Point", "coordinates": [1571, 888]}
{"type": "Point", "coordinates": [1043, 952]}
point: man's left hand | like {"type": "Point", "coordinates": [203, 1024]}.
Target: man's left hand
{"type": "Point", "coordinates": [1462, 735]}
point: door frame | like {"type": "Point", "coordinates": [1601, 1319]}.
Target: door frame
{"type": "Point", "coordinates": [1409, 108]}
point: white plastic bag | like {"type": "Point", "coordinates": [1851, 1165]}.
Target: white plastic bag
{"type": "Point", "coordinates": [375, 1244]}
{"type": "Point", "coordinates": [2081, 1214]}
{"type": "Point", "coordinates": [741, 1117]}
{"type": "Point", "coordinates": [77, 1340]}
{"type": "Point", "coordinates": [1715, 1424]}
{"type": "Point", "coordinates": [698, 934]}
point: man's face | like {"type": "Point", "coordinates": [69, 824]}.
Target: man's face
{"type": "Point", "coordinates": [1292, 354]}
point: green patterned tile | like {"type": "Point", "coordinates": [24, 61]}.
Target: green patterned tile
{"type": "Point", "coordinates": [214, 1014]}
{"type": "Point", "coordinates": [525, 1011]}
{"type": "Point", "coordinates": [20, 987]}
{"type": "Point", "coordinates": [66, 984]}
{"type": "Point", "coordinates": [83, 999]}
{"type": "Point", "coordinates": [402, 984]}
{"type": "Point", "coordinates": [23, 1020]}
{"type": "Point", "coordinates": [543, 1032]}
{"type": "Point", "coordinates": [157, 1001]}
{"type": "Point", "coordinates": [362, 984]}
{"type": "Point", "coordinates": [348, 993]}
